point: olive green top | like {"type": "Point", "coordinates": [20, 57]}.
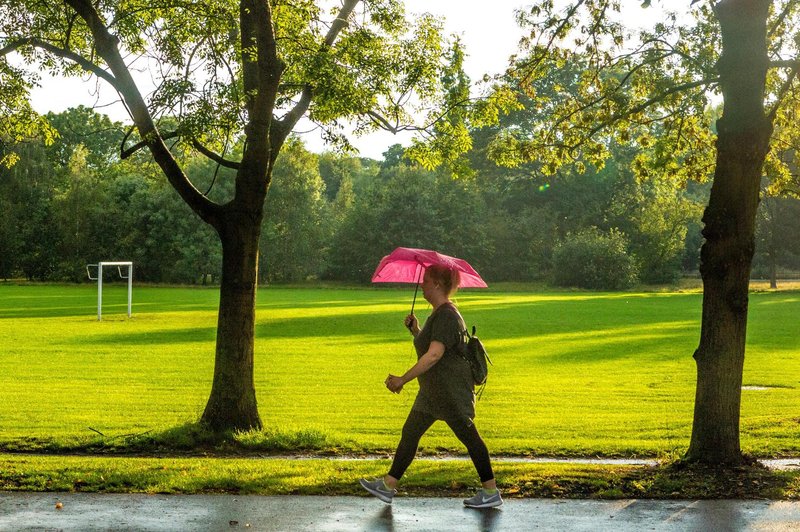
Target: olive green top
{"type": "Point", "coordinates": [446, 390]}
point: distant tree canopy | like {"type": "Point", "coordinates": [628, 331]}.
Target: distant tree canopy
{"type": "Point", "coordinates": [75, 202]}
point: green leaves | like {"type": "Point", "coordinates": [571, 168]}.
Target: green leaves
{"type": "Point", "coordinates": [592, 83]}
{"type": "Point", "coordinates": [18, 121]}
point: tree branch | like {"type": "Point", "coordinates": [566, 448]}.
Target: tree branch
{"type": "Point", "coordinates": [382, 122]}
{"type": "Point", "coordinates": [642, 106]}
{"type": "Point", "coordinates": [13, 47]}
{"type": "Point", "coordinates": [286, 125]}
{"type": "Point", "coordinates": [107, 46]}
{"type": "Point", "coordinates": [64, 53]}
{"type": "Point", "coordinates": [227, 163]}
{"type": "Point", "coordinates": [124, 152]}
{"type": "Point", "coordinates": [786, 63]}
{"type": "Point", "coordinates": [261, 66]}
{"type": "Point", "coordinates": [595, 101]}
{"type": "Point", "coordinates": [261, 72]}
{"type": "Point", "coordinates": [787, 85]}
{"type": "Point", "coordinates": [127, 152]}
{"type": "Point", "coordinates": [779, 19]}
{"type": "Point", "coordinates": [340, 22]}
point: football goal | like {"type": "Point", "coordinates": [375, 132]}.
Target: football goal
{"type": "Point", "coordinates": [99, 278]}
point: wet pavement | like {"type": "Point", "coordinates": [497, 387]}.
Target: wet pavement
{"type": "Point", "coordinates": [88, 512]}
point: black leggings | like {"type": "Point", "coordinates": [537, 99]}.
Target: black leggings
{"type": "Point", "coordinates": [419, 422]}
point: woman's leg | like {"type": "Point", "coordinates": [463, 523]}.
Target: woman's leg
{"type": "Point", "coordinates": [415, 426]}
{"type": "Point", "coordinates": [467, 433]}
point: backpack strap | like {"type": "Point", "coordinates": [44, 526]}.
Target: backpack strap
{"type": "Point", "coordinates": [479, 392]}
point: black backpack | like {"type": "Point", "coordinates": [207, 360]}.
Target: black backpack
{"type": "Point", "coordinates": [475, 353]}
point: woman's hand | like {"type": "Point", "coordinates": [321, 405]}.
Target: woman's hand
{"type": "Point", "coordinates": [394, 383]}
{"type": "Point", "coordinates": [412, 324]}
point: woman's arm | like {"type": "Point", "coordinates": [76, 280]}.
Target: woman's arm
{"type": "Point", "coordinates": [425, 362]}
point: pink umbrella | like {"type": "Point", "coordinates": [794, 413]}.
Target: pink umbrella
{"type": "Point", "coordinates": [407, 265]}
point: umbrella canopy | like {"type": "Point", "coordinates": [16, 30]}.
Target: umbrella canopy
{"type": "Point", "coordinates": [407, 265]}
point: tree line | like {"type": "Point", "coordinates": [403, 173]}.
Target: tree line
{"type": "Point", "coordinates": [333, 216]}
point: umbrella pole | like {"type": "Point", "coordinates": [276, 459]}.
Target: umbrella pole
{"type": "Point", "coordinates": [419, 273]}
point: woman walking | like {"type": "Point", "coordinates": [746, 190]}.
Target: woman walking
{"type": "Point", "coordinates": [446, 390]}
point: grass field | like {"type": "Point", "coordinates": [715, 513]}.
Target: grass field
{"type": "Point", "coordinates": [576, 373]}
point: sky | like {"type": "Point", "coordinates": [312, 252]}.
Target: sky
{"type": "Point", "coordinates": [488, 32]}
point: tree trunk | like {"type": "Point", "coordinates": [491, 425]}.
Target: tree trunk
{"type": "Point", "coordinates": [232, 404]}
{"type": "Point", "coordinates": [729, 218]}
{"type": "Point", "coordinates": [773, 270]}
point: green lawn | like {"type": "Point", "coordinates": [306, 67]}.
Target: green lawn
{"type": "Point", "coordinates": [576, 373]}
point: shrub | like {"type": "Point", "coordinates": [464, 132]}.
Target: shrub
{"type": "Point", "coordinates": [594, 259]}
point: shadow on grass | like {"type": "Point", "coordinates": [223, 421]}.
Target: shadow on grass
{"type": "Point", "coordinates": [190, 439]}
{"type": "Point", "coordinates": [153, 337]}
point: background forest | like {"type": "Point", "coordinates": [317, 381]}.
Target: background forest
{"type": "Point", "coordinates": [332, 216]}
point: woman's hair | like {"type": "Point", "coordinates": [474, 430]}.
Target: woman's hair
{"type": "Point", "coordinates": [445, 277]}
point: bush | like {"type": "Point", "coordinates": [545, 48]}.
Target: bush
{"type": "Point", "coordinates": [594, 259]}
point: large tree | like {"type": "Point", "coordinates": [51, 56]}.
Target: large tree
{"type": "Point", "coordinates": [230, 71]}
{"type": "Point", "coordinates": [616, 85]}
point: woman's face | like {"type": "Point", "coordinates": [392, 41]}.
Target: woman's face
{"type": "Point", "coordinates": [429, 287]}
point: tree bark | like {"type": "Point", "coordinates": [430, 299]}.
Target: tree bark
{"type": "Point", "coordinates": [726, 256]}
{"type": "Point", "coordinates": [232, 404]}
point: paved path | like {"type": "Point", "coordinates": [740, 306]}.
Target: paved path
{"type": "Point", "coordinates": [90, 512]}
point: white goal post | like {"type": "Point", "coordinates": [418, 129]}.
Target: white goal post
{"type": "Point", "coordinates": [99, 280]}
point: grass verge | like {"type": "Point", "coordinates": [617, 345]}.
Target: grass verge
{"type": "Point", "coordinates": [281, 476]}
